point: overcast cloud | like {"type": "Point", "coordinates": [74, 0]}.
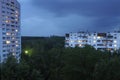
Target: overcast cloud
{"type": "Point", "coordinates": [57, 17]}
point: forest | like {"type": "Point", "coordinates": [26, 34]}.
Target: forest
{"type": "Point", "coordinates": [46, 58]}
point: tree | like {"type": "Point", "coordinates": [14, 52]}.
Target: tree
{"type": "Point", "coordinates": [9, 68]}
{"type": "Point", "coordinates": [108, 69]}
{"type": "Point", "coordinates": [80, 63]}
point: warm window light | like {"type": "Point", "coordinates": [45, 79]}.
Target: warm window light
{"type": "Point", "coordinates": [8, 42]}
{"type": "Point", "coordinates": [115, 41]}
{"type": "Point", "coordinates": [17, 45]}
{"type": "Point", "coordinates": [80, 45]}
{"type": "Point", "coordinates": [98, 37]}
{"type": "Point", "coordinates": [115, 45]}
{"type": "Point", "coordinates": [7, 34]}
{"type": "Point", "coordinates": [6, 21]}
{"type": "Point", "coordinates": [16, 30]}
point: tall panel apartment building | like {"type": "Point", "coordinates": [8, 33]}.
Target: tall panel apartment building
{"type": "Point", "coordinates": [102, 41]}
{"type": "Point", "coordinates": [10, 37]}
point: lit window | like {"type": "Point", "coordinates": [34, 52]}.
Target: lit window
{"type": "Point", "coordinates": [16, 12]}
{"type": "Point", "coordinates": [80, 45]}
{"type": "Point", "coordinates": [6, 21]}
{"type": "Point", "coordinates": [98, 37]}
{"type": "Point", "coordinates": [16, 41]}
{"type": "Point", "coordinates": [115, 45]}
{"type": "Point", "coordinates": [115, 41]}
{"type": "Point", "coordinates": [16, 30]}
{"type": "Point", "coordinates": [17, 45]}
{"type": "Point", "coordinates": [7, 34]}
{"type": "Point", "coordinates": [94, 37]}
{"type": "Point", "coordinates": [13, 54]}
{"type": "Point", "coordinates": [8, 42]}
{"type": "Point", "coordinates": [16, 15]}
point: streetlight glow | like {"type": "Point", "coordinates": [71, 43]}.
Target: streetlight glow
{"type": "Point", "coordinates": [26, 52]}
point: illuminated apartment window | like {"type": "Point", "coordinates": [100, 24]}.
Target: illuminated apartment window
{"type": "Point", "coordinates": [16, 30]}
{"type": "Point", "coordinates": [80, 45]}
{"type": "Point", "coordinates": [17, 45]}
{"type": "Point", "coordinates": [115, 41]}
{"type": "Point", "coordinates": [98, 37]}
{"type": "Point", "coordinates": [94, 37]}
{"type": "Point", "coordinates": [115, 45]}
{"type": "Point", "coordinates": [7, 42]}
{"type": "Point", "coordinates": [7, 34]}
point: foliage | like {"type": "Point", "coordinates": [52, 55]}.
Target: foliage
{"type": "Point", "coordinates": [47, 59]}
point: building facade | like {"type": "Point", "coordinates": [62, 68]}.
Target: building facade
{"type": "Point", "coordinates": [100, 41]}
{"type": "Point", "coordinates": [10, 36]}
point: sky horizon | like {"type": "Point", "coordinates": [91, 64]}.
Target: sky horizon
{"type": "Point", "coordinates": [57, 17]}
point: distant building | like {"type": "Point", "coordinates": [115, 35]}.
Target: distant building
{"type": "Point", "coordinates": [10, 37]}
{"type": "Point", "coordinates": [100, 41]}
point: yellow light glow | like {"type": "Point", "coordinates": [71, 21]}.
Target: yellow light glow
{"type": "Point", "coordinates": [8, 42]}
{"type": "Point", "coordinates": [98, 37]}
{"type": "Point", "coordinates": [26, 52]}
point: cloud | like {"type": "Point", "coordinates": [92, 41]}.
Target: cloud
{"type": "Point", "coordinates": [81, 7]}
{"type": "Point", "coordinates": [106, 12]}
{"type": "Point", "coordinates": [48, 17]}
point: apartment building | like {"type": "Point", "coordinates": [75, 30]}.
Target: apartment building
{"type": "Point", "coordinates": [10, 37]}
{"type": "Point", "coordinates": [100, 41]}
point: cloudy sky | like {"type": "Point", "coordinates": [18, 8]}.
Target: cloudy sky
{"type": "Point", "coordinates": [57, 17]}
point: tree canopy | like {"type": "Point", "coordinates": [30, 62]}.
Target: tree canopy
{"type": "Point", "coordinates": [47, 59]}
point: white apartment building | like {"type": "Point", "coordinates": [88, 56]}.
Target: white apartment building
{"type": "Point", "coordinates": [100, 41]}
{"type": "Point", "coordinates": [10, 37]}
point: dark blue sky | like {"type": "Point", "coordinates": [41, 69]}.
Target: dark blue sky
{"type": "Point", "coordinates": [57, 17]}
